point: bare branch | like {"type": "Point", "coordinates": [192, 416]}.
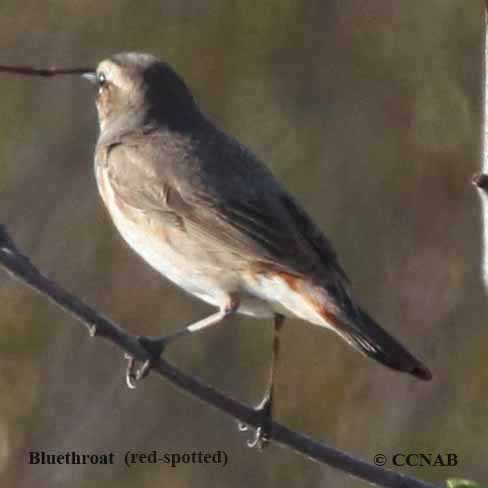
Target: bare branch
{"type": "Point", "coordinates": [21, 268]}
{"type": "Point", "coordinates": [480, 180]}
{"type": "Point", "coordinates": [44, 72]}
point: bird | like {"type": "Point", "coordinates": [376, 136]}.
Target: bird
{"type": "Point", "coordinates": [205, 212]}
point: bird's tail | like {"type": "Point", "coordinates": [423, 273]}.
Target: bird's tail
{"type": "Point", "coordinates": [359, 330]}
{"type": "Point", "coordinates": [333, 308]}
{"type": "Point", "coordinates": [370, 339]}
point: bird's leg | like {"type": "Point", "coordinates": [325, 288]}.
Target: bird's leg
{"type": "Point", "coordinates": [265, 406]}
{"type": "Point", "coordinates": [156, 345]}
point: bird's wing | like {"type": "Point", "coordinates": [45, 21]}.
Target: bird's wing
{"type": "Point", "coordinates": [238, 208]}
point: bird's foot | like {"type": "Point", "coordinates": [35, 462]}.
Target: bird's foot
{"type": "Point", "coordinates": [92, 330]}
{"type": "Point", "coordinates": [261, 435]}
{"type": "Point", "coordinates": [154, 347]}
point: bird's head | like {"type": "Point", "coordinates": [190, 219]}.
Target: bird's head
{"type": "Point", "coordinates": [136, 89]}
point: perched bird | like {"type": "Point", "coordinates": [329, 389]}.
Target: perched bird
{"type": "Point", "coordinates": [206, 213]}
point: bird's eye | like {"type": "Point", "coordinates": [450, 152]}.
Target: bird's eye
{"type": "Point", "coordinates": [101, 80]}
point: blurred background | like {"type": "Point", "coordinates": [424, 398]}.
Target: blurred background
{"type": "Point", "coordinates": [369, 112]}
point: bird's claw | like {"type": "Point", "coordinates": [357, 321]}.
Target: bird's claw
{"type": "Point", "coordinates": [130, 374]}
{"type": "Point", "coordinates": [259, 437]}
{"type": "Point", "coordinates": [154, 347]}
{"type": "Point", "coordinates": [92, 330]}
{"type": "Point", "coordinates": [143, 371]}
{"type": "Point", "coordinates": [261, 434]}
{"type": "Point", "coordinates": [133, 375]}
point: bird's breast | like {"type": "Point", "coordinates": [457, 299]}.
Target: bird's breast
{"type": "Point", "coordinates": [168, 249]}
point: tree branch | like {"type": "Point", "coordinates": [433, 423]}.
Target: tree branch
{"type": "Point", "coordinates": [44, 72]}
{"type": "Point", "coordinates": [21, 268]}
{"type": "Point", "coordinates": [480, 180]}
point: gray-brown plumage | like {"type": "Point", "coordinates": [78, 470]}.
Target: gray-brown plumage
{"type": "Point", "coordinates": [205, 212]}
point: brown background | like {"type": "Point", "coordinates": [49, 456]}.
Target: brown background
{"type": "Point", "coordinates": [369, 111]}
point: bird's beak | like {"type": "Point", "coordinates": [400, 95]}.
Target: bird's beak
{"type": "Point", "coordinates": [91, 76]}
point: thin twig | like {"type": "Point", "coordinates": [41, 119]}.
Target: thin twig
{"type": "Point", "coordinates": [44, 72]}
{"type": "Point", "coordinates": [480, 180]}
{"type": "Point", "coordinates": [21, 268]}
{"type": "Point", "coordinates": [484, 144]}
